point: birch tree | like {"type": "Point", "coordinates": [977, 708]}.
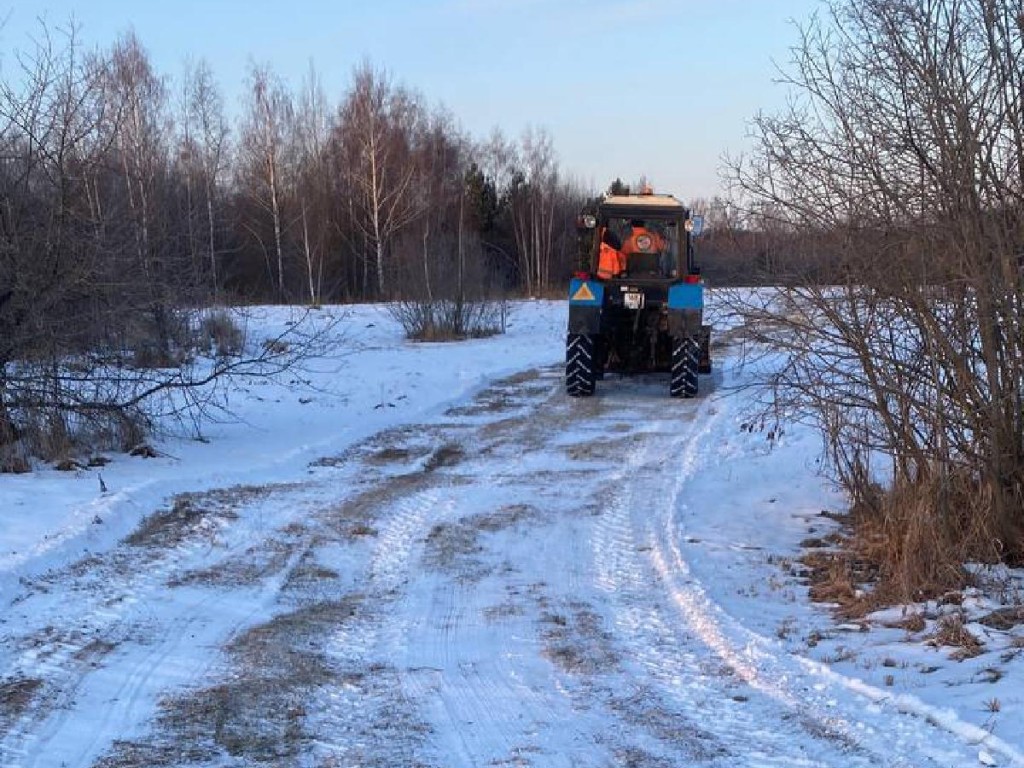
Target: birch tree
{"type": "Point", "coordinates": [533, 196]}
{"type": "Point", "coordinates": [141, 132]}
{"type": "Point", "coordinates": [311, 128]}
{"type": "Point", "coordinates": [204, 154]}
{"type": "Point", "coordinates": [263, 143]}
{"type": "Point", "coordinates": [377, 125]}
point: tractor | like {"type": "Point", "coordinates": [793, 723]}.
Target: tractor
{"type": "Point", "coordinates": [636, 304]}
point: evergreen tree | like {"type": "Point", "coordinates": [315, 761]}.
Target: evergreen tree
{"type": "Point", "coordinates": [618, 188]}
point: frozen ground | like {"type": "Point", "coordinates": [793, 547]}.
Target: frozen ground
{"type": "Point", "coordinates": [426, 555]}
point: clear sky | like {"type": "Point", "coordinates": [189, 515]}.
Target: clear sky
{"type": "Point", "coordinates": [660, 88]}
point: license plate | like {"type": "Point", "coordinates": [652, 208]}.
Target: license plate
{"type": "Point", "coordinates": [633, 300]}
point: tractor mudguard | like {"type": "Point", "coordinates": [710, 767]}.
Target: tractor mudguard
{"type": "Point", "coordinates": [685, 309]}
{"type": "Point", "coordinates": [586, 297]}
{"type": "Point", "coordinates": [686, 296]}
{"type": "Point", "coordinates": [684, 322]}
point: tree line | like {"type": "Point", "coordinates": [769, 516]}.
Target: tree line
{"type": "Point", "coordinates": [129, 200]}
{"type": "Point", "coordinates": [301, 199]}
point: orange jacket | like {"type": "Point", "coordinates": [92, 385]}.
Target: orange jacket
{"type": "Point", "coordinates": [642, 240]}
{"type": "Point", "coordinates": [610, 262]}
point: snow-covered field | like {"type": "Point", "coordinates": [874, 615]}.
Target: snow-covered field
{"type": "Point", "coordinates": [426, 555]}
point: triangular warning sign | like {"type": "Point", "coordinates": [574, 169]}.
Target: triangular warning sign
{"type": "Point", "coordinates": [583, 293]}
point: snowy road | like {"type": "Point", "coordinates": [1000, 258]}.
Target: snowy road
{"type": "Point", "coordinates": [527, 580]}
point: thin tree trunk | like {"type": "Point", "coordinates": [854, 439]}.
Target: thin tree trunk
{"type": "Point", "coordinates": [211, 244]}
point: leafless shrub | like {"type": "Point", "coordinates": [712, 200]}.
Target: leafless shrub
{"type": "Point", "coordinates": [13, 461]}
{"type": "Point", "coordinates": [910, 356]}
{"type": "Point", "coordinates": [446, 295]}
{"type": "Point", "coordinates": [952, 633]}
{"type": "Point", "coordinates": [449, 320]}
{"type": "Point", "coordinates": [219, 331]}
{"type": "Point", "coordinates": [275, 346]}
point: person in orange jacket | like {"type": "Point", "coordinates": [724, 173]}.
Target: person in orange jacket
{"type": "Point", "coordinates": [610, 261]}
{"type": "Point", "coordinates": [642, 240]}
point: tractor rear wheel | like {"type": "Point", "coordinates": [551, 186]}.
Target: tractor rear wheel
{"type": "Point", "coordinates": [685, 355]}
{"type": "Point", "coordinates": [704, 361]}
{"type": "Point", "coordinates": [580, 365]}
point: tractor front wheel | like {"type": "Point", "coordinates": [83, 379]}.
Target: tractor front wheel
{"type": "Point", "coordinates": [580, 365]}
{"type": "Point", "coordinates": [685, 355]}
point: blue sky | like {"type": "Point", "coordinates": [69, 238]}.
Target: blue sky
{"type": "Point", "coordinates": [661, 88]}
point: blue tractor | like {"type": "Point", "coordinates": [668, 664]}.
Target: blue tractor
{"type": "Point", "coordinates": [637, 303]}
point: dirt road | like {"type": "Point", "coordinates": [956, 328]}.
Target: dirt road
{"type": "Point", "coordinates": [523, 581]}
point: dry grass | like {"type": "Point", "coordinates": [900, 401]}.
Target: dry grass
{"type": "Point", "coordinates": [577, 642]}
{"type": "Point", "coordinates": [13, 460]}
{"type": "Point", "coordinates": [189, 512]}
{"type": "Point", "coordinates": [840, 578]}
{"type": "Point", "coordinates": [904, 545]}
{"type": "Point", "coordinates": [952, 633]}
{"type": "Point", "coordinates": [256, 715]}
{"type": "Point", "coordinates": [219, 332]}
{"type": "Point", "coordinates": [15, 696]}
{"type": "Point", "coordinates": [454, 546]}
{"type": "Point", "coordinates": [913, 623]}
{"type": "Point", "coordinates": [248, 568]}
{"type": "Point", "coordinates": [504, 517]}
{"type": "Point", "coordinates": [1004, 618]}
{"type": "Point", "coordinates": [447, 455]}
{"type": "Point", "coordinates": [393, 455]}
{"type": "Point", "coordinates": [919, 535]}
{"type": "Point", "coordinates": [451, 543]}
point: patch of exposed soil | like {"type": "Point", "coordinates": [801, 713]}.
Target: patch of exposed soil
{"type": "Point", "coordinates": [246, 569]}
{"type": "Point", "coordinates": [453, 547]}
{"type": "Point", "coordinates": [576, 641]}
{"type": "Point", "coordinates": [195, 513]}
{"type": "Point", "coordinates": [445, 455]}
{"type": "Point", "coordinates": [642, 709]}
{"type": "Point", "coordinates": [257, 713]}
{"type": "Point", "coordinates": [15, 696]}
{"type": "Point", "coordinates": [1004, 618]}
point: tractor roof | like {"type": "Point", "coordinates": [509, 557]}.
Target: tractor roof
{"type": "Point", "coordinates": [644, 201]}
{"type": "Point", "coordinates": [642, 206]}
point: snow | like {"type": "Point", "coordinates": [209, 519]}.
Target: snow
{"type": "Point", "coordinates": [489, 573]}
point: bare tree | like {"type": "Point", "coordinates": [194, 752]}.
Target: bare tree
{"type": "Point", "coordinates": [899, 167]}
{"type": "Point", "coordinates": [141, 129]}
{"type": "Point", "coordinates": [263, 146]}
{"type": "Point", "coordinates": [377, 127]}
{"type": "Point", "coordinates": [311, 130]}
{"type": "Point", "coordinates": [532, 196]}
{"type": "Point", "coordinates": [204, 156]}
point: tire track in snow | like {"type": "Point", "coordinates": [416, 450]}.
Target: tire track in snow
{"type": "Point", "coordinates": [468, 671]}
{"type": "Point", "coordinates": [789, 687]}
{"type": "Point", "coordinates": [475, 677]}
{"type": "Point", "coordinates": [673, 656]}
{"type": "Point", "coordinates": [110, 608]}
{"type": "Point", "coordinates": [464, 669]}
{"type": "Point", "coordinates": [348, 714]}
